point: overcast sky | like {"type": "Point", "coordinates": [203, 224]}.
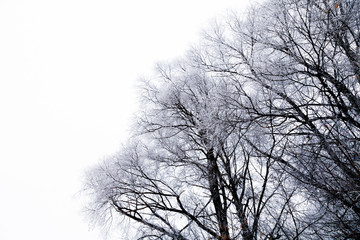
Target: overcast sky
{"type": "Point", "coordinates": [67, 71]}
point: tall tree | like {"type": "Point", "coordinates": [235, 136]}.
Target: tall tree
{"type": "Point", "coordinates": [254, 135]}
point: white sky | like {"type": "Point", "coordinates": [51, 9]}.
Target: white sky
{"type": "Point", "coordinates": [67, 70]}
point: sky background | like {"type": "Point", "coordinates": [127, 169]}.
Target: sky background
{"type": "Point", "coordinates": [67, 75]}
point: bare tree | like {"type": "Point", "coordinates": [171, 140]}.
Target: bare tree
{"type": "Point", "coordinates": [254, 135]}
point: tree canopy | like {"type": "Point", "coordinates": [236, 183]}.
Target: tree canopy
{"type": "Point", "coordinates": [255, 134]}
